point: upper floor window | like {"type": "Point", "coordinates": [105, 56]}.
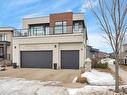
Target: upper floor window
{"type": "Point", "coordinates": [78, 27]}
{"type": "Point", "coordinates": [60, 27]}
{"type": "Point", "coordinates": [37, 30]}
{"type": "Point", "coordinates": [40, 29]}
{"type": "Point", "coordinates": [3, 37]}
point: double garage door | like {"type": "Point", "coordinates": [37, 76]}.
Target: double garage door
{"type": "Point", "coordinates": [36, 59]}
{"type": "Point", "coordinates": [44, 59]}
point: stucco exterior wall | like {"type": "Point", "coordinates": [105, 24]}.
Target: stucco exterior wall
{"type": "Point", "coordinates": [37, 20]}
{"type": "Point", "coordinates": [56, 43]}
{"type": "Point", "coordinates": [78, 16]}
{"type": "Point", "coordinates": [56, 51]}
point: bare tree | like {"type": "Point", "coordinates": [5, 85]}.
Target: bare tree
{"type": "Point", "coordinates": [112, 18]}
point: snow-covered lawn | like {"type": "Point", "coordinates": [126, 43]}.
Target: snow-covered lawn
{"type": "Point", "coordinates": [18, 86]}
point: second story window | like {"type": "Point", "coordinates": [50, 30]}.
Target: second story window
{"type": "Point", "coordinates": [37, 30]}
{"type": "Point", "coordinates": [77, 27]}
{"type": "Point", "coordinates": [3, 37]}
{"type": "Point", "coordinates": [60, 27]}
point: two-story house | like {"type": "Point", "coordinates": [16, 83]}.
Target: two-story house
{"type": "Point", "coordinates": [6, 44]}
{"type": "Point", "coordinates": [55, 39]}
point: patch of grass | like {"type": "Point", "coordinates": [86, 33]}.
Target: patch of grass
{"type": "Point", "coordinates": [107, 70]}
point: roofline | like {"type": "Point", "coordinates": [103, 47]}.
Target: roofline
{"type": "Point", "coordinates": [51, 14]}
{"type": "Point", "coordinates": [35, 17]}
{"type": "Point", "coordinates": [7, 28]}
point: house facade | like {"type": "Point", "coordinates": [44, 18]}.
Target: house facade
{"type": "Point", "coordinates": [123, 54]}
{"type": "Point", "coordinates": [93, 53]}
{"type": "Point", "coordinates": [6, 43]}
{"type": "Point", "coordinates": [58, 39]}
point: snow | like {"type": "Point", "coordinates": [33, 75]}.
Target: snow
{"type": "Point", "coordinates": [19, 86]}
{"type": "Point", "coordinates": [91, 90]}
{"type": "Point", "coordinates": [99, 78]}
{"type": "Point", "coordinates": [108, 60]}
{"type": "Point", "coordinates": [111, 61]}
{"type": "Point", "coordinates": [74, 80]}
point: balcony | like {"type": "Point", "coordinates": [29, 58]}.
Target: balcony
{"type": "Point", "coordinates": [41, 31]}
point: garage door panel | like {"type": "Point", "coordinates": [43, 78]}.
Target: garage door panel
{"type": "Point", "coordinates": [36, 59]}
{"type": "Point", "coordinates": [70, 59]}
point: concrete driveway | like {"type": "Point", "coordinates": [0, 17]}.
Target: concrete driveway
{"type": "Point", "coordinates": [65, 76]}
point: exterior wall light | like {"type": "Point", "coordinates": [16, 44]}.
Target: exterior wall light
{"type": "Point", "coordinates": [55, 46]}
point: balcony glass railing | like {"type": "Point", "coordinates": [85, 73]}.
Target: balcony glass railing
{"type": "Point", "coordinates": [47, 31]}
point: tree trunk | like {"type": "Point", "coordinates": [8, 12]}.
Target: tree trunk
{"type": "Point", "coordinates": [116, 76]}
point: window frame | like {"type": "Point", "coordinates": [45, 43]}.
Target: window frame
{"type": "Point", "coordinates": [62, 26]}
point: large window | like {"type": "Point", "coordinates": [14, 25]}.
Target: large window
{"type": "Point", "coordinates": [3, 37]}
{"type": "Point", "coordinates": [60, 27]}
{"type": "Point", "coordinates": [39, 30]}
{"type": "Point", "coordinates": [78, 27]}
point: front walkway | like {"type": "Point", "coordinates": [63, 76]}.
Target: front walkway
{"type": "Point", "coordinates": [122, 73]}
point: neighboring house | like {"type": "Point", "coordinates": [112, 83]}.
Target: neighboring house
{"type": "Point", "coordinates": [123, 54]}
{"type": "Point", "coordinates": [95, 53]}
{"type": "Point", "coordinates": [6, 36]}
{"type": "Point", "coordinates": [103, 54]}
{"type": "Point", "coordinates": [55, 39]}
{"type": "Point", "coordinates": [92, 52]}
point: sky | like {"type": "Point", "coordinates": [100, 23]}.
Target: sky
{"type": "Point", "coordinates": [13, 11]}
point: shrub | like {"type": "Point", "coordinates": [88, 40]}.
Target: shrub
{"type": "Point", "coordinates": [100, 65]}
{"type": "Point", "coordinates": [96, 63]}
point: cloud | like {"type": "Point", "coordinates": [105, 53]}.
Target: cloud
{"type": "Point", "coordinates": [97, 41]}
{"type": "Point", "coordinates": [69, 10]}
{"type": "Point", "coordinates": [88, 4]}
{"type": "Point", "coordinates": [33, 15]}
{"type": "Point", "coordinates": [21, 2]}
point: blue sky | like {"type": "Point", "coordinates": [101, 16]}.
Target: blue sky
{"type": "Point", "coordinates": [12, 12]}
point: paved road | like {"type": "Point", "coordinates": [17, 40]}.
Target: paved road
{"type": "Point", "coordinates": [123, 73]}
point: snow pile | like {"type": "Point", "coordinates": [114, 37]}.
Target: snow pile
{"type": "Point", "coordinates": [111, 61]}
{"type": "Point", "coordinates": [99, 78]}
{"type": "Point", "coordinates": [107, 60]}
